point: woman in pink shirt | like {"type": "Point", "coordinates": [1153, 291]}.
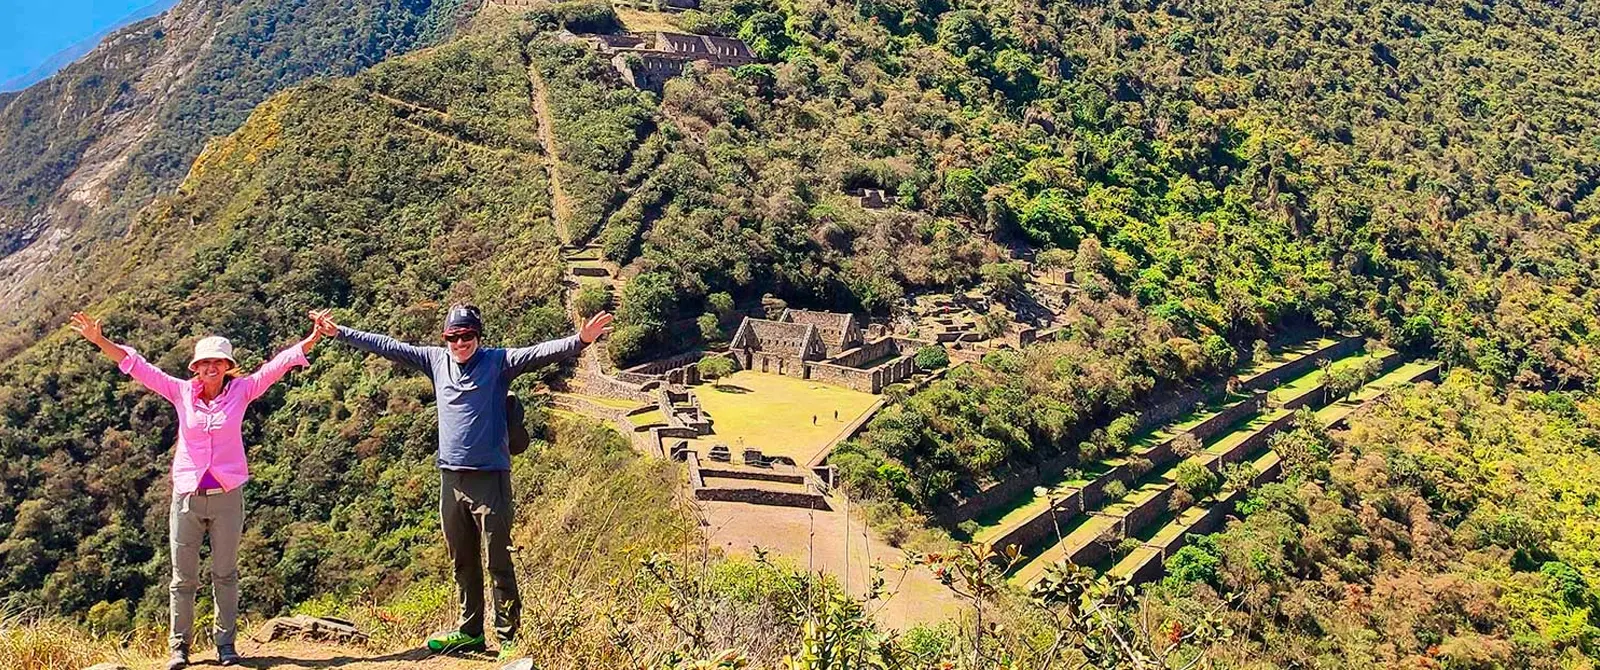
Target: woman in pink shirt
{"type": "Point", "coordinates": [208, 470]}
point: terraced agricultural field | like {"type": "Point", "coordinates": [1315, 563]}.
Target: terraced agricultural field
{"type": "Point", "coordinates": [1146, 502]}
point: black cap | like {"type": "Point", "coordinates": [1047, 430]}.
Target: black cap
{"type": "Point", "coordinates": [463, 317]}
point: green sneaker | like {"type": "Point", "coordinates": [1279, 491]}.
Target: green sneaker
{"type": "Point", "coordinates": [453, 641]}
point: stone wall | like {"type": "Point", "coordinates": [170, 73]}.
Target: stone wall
{"type": "Point", "coordinates": [1304, 364]}
{"type": "Point", "coordinates": [1149, 570]}
{"type": "Point", "coordinates": [1005, 489]}
{"type": "Point", "coordinates": [756, 496]}
{"type": "Point", "coordinates": [1165, 411]}
{"type": "Point", "coordinates": [1250, 445]}
{"type": "Point", "coordinates": [866, 353]}
{"type": "Point", "coordinates": [662, 366]}
{"type": "Point", "coordinates": [1090, 553]}
{"type": "Point", "coordinates": [1043, 525]}
{"type": "Point", "coordinates": [776, 364]}
{"type": "Point", "coordinates": [1143, 513]}
{"type": "Point", "coordinates": [784, 477]}
{"type": "Point", "coordinates": [852, 378]}
{"type": "Point", "coordinates": [1225, 419]}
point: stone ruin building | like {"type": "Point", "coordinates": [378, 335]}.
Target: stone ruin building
{"type": "Point", "coordinates": [647, 60]}
{"type": "Point", "coordinates": [824, 346]}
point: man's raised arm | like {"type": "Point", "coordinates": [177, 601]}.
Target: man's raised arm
{"type": "Point", "coordinates": [523, 359]}
{"type": "Point", "coordinates": [382, 345]}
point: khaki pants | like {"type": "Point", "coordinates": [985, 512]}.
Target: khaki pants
{"type": "Point", "coordinates": [475, 508]}
{"type": "Point", "coordinates": [193, 516]}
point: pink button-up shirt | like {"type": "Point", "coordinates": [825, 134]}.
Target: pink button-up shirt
{"type": "Point", "coordinates": [210, 433]}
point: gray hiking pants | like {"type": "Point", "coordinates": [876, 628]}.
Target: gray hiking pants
{"type": "Point", "coordinates": [193, 516]}
{"type": "Point", "coordinates": [475, 508]}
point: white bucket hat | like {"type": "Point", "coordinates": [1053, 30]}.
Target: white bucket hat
{"type": "Point", "coordinates": [212, 347]}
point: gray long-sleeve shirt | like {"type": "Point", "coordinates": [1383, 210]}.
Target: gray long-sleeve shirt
{"type": "Point", "coordinates": [471, 396]}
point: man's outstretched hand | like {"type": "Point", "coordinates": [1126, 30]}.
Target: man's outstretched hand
{"type": "Point", "coordinates": [324, 322]}
{"type": "Point", "coordinates": [596, 326]}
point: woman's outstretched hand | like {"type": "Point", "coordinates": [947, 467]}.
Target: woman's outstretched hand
{"type": "Point", "coordinates": [89, 328]}
{"type": "Point", "coordinates": [321, 326]}
{"type": "Point", "coordinates": [595, 327]}
{"type": "Point", "coordinates": [322, 319]}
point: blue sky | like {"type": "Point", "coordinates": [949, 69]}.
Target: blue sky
{"type": "Point", "coordinates": [32, 31]}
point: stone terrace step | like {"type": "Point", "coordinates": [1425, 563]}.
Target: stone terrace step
{"type": "Point", "coordinates": [1148, 503]}
{"type": "Point", "coordinates": [1147, 563]}
{"type": "Point", "coordinates": [1010, 503]}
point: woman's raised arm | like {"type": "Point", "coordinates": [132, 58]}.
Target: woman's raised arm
{"type": "Point", "coordinates": [127, 359]}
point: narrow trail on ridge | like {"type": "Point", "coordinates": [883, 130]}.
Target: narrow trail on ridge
{"type": "Point", "coordinates": [560, 205]}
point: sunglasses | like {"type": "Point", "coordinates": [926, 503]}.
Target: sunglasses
{"type": "Point", "coordinates": [461, 337]}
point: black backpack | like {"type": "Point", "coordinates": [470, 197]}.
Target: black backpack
{"type": "Point", "coordinates": [516, 425]}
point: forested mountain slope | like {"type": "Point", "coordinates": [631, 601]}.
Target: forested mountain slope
{"type": "Point", "coordinates": [1209, 174]}
{"type": "Point", "coordinates": [328, 195]}
{"type": "Point", "coordinates": [83, 151]}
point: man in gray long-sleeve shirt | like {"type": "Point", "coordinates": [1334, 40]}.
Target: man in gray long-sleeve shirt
{"type": "Point", "coordinates": [470, 384]}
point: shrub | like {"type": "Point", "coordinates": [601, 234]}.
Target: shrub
{"type": "Point", "coordinates": [1196, 563]}
{"type": "Point", "coordinates": [1180, 500]}
{"type": "Point", "coordinates": [1219, 354]}
{"type": "Point", "coordinates": [1115, 490]}
{"type": "Point", "coordinates": [1196, 480]}
{"type": "Point", "coordinates": [627, 343]}
{"type": "Point", "coordinates": [710, 327]}
{"type": "Point", "coordinates": [591, 300]}
{"type": "Point", "coordinates": [1185, 445]}
{"type": "Point", "coordinates": [932, 358]}
{"type": "Point", "coordinates": [586, 16]}
{"type": "Point", "coordinates": [1259, 352]}
{"type": "Point", "coordinates": [721, 304]}
{"type": "Point", "coordinates": [968, 527]}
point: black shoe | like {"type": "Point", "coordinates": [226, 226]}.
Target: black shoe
{"type": "Point", "coordinates": [179, 659]}
{"type": "Point", "coordinates": [226, 655]}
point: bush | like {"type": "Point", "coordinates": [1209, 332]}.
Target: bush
{"type": "Point", "coordinates": [721, 304]}
{"type": "Point", "coordinates": [1185, 445]}
{"type": "Point", "coordinates": [1196, 480]}
{"type": "Point", "coordinates": [710, 328]}
{"type": "Point", "coordinates": [586, 16]}
{"type": "Point", "coordinates": [1180, 500]}
{"type": "Point", "coordinates": [627, 343]}
{"type": "Point", "coordinates": [932, 358]}
{"type": "Point", "coordinates": [1115, 490]}
{"type": "Point", "coordinates": [1259, 352]}
{"type": "Point", "coordinates": [1196, 563]}
{"type": "Point", "coordinates": [591, 300]}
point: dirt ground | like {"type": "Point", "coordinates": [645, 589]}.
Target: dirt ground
{"type": "Point", "coordinates": [815, 539]}
{"type": "Point", "coordinates": [304, 655]}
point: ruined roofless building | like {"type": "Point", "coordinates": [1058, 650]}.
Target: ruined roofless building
{"type": "Point", "coordinates": [648, 60]}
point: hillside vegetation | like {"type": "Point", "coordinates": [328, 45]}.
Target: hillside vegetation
{"type": "Point", "coordinates": [1209, 174]}
{"type": "Point", "coordinates": [82, 152]}
{"type": "Point", "coordinates": [328, 195]}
